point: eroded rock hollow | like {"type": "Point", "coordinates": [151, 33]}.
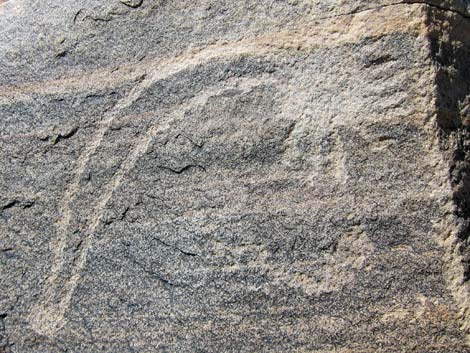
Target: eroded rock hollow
{"type": "Point", "coordinates": [234, 176]}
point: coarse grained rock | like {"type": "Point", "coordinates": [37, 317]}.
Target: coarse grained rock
{"type": "Point", "coordinates": [234, 176]}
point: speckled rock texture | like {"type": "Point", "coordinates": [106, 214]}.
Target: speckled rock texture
{"type": "Point", "coordinates": [234, 176]}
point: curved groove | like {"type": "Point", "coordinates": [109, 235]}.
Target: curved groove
{"type": "Point", "coordinates": [48, 317]}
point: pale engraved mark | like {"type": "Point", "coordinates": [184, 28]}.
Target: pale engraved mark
{"type": "Point", "coordinates": [48, 317]}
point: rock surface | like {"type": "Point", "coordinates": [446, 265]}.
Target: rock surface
{"type": "Point", "coordinates": [234, 176]}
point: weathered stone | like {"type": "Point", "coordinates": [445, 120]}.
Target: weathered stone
{"type": "Point", "coordinates": [218, 176]}
{"type": "Point", "coordinates": [132, 3]}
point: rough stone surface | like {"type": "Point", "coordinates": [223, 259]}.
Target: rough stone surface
{"type": "Point", "coordinates": [234, 176]}
{"type": "Point", "coordinates": [132, 3]}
